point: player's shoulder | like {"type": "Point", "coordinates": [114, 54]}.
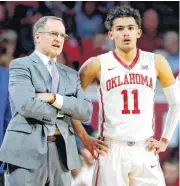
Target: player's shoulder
{"type": "Point", "coordinates": [159, 59]}
{"type": "Point", "coordinates": [95, 62]}
{"type": "Point", "coordinates": [97, 58]}
{"type": "Point", "coordinates": [91, 62]}
{"type": "Point", "coordinates": [105, 58]}
{"type": "Point", "coordinates": [156, 55]}
{"type": "Point", "coordinates": [161, 63]}
{"type": "Point", "coordinates": [146, 53]}
{"type": "Point", "coordinates": [106, 55]}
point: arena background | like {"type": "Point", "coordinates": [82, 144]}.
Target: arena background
{"type": "Point", "coordinates": [88, 37]}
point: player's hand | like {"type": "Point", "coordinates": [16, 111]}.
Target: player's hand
{"type": "Point", "coordinates": [95, 146]}
{"type": "Point", "coordinates": [46, 97]}
{"type": "Point", "coordinates": [157, 146]}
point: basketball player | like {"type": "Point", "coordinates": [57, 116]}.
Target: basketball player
{"type": "Point", "coordinates": [126, 80]}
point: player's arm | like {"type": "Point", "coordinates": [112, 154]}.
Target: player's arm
{"type": "Point", "coordinates": [90, 71]}
{"type": "Point", "coordinates": [171, 91]}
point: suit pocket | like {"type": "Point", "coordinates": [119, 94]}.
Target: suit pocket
{"type": "Point", "coordinates": [20, 127]}
{"type": "Point", "coordinates": [70, 92]}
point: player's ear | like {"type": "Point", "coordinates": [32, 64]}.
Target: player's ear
{"type": "Point", "coordinates": [139, 33]}
{"type": "Point", "coordinates": [110, 35]}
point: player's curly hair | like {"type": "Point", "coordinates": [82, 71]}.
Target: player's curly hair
{"type": "Point", "coordinates": [122, 11]}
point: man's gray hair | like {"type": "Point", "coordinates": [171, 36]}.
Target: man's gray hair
{"type": "Point", "coordinates": [41, 23]}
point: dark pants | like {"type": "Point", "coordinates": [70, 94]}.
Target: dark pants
{"type": "Point", "coordinates": [1, 179]}
{"type": "Point", "coordinates": [51, 173]}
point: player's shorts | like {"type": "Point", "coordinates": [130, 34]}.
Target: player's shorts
{"type": "Point", "coordinates": [128, 164]}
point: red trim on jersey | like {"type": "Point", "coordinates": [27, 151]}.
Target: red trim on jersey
{"type": "Point", "coordinates": [124, 64]}
{"type": "Point", "coordinates": [103, 117]}
{"type": "Point", "coordinates": [97, 175]}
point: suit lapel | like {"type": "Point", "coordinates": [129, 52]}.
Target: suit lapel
{"type": "Point", "coordinates": [62, 79]}
{"type": "Point", "coordinates": [42, 70]}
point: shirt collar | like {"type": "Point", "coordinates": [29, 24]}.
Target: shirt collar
{"type": "Point", "coordinates": [44, 58]}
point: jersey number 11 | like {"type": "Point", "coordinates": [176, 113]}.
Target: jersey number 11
{"type": "Point", "coordinates": [126, 109]}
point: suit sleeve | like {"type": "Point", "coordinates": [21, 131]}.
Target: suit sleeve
{"type": "Point", "coordinates": [7, 117]}
{"type": "Point", "coordinates": [23, 95]}
{"type": "Point", "coordinates": [78, 106]}
{"type": "Point", "coordinates": [7, 113]}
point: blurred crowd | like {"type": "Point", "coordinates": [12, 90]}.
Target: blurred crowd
{"type": "Point", "coordinates": [87, 37]}
{"type": "Point", "coordinates": [85, 25]}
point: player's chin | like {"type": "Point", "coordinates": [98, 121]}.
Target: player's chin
{"type": "Point", "coordinates": [127, 48]}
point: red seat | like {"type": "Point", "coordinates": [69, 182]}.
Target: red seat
{"type": "Point", "coordinates": [87, 49]}
{"type": "Point", "coordinates": [72, 50]}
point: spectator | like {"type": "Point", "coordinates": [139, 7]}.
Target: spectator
{"type": "Point", "coordinates": [171, 45]}
{"type": "Point", "coordinates": [8, 42]}
{"type": "Point", "coordinates": [57, 8]}
{"type": "Point", "coordinates": [5, 113]}
{"type": "Point", "coordinates": [171, 50]}
{"type": "Point", "coordinates": [104, 6]}
{"type": "Point", "coordinates": [72, 50]}
{"type": "Point", "coordinates": [5, 61]}
{"type": "Point", "coordinates": [88, 22]}
{"type": "Point", "coordinates": [101, 44]}
{"type": "Point", "coordinates": [2, 15]}
{"type": "Point", "coordinates": [25, 34]}
{"type": "Point", "coordinates": [171, 171]}
{"type": "Point", "coordinates": [84, 177]}
{"type": "Point", "coordinates": [67, 10]}
{"type": "Point", "coordinates": [150, 39]}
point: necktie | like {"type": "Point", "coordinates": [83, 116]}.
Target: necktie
{"type": "Point", "coordinates": [55, 77]}
{"type": "Point", "coordinates": [55, 83]}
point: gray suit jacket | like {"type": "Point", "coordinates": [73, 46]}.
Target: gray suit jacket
{"type": "Point", "coordinates": [25, 141]}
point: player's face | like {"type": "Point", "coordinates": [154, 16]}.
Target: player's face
{"type": "Point", "coordinates": [125, 33]}
{"type": "Point", "coordinates": [50, 39]}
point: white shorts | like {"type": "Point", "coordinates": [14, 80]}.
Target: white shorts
{"type": "Point", "coordinates": [128, 164]}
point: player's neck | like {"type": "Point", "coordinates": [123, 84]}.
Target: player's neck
{"type": "Point", "coordinates": [127, 57]}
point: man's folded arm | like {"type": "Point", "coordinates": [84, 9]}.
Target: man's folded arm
{"type": "Point", "coordinates": [24, 97]}
{"type": "Point", "coordinates": [78, 106]}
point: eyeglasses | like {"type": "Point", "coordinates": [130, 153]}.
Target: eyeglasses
{"type": "Point", "coordinates": [55, 35]}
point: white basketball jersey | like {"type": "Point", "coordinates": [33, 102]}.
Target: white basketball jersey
{"type": "Point", "coordinates": [126, 97]}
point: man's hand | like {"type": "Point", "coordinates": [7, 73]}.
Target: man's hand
{"type": "Point", "coordinates": [95, 146]}
{"type": "Point", "coordinates": [157, 146]}
{"type": "Point", "coordinates": [46, 97]}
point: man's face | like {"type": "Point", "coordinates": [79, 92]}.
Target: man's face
{"type": "Point", "coordinates": [50, 39]}
{"type": "Point", "coordinates": [172, 43]}
{"type": "Point", "coordinates": [125, 32]}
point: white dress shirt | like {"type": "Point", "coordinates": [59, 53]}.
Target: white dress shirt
{"type": "Point", "coordinates": [59, 98]}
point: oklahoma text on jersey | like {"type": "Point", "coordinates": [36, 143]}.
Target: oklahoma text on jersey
{"type": "Point", "coordinates": [129, 79]}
